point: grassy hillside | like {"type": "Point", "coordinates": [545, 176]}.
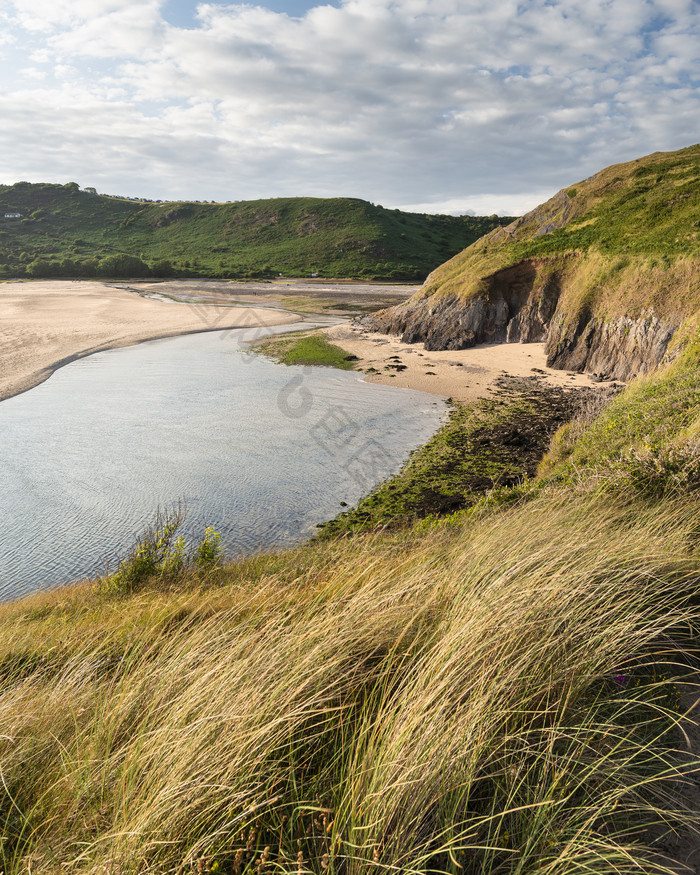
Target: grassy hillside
{"type": "Point", "coordinates": [65, 231]}
{"type": "Point", "coordinates": [501, 687]}
{"type": "Point", "coordinates": [497, 691]}
{"type": "Point", "coordinates": [622, 241]}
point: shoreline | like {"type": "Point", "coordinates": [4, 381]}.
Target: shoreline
{"type": "Point", "coordinates": [47, 325]}
{"type": "Point", "coordinates": [464, 375]}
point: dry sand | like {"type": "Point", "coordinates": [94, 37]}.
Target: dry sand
{"type": "Point", "coordinates": [44, 325]}
{"type": "Point", "coordinates": [463, 375]}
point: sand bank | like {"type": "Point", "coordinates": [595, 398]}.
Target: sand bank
{"type": "Point", "coordinates": [464, 375]}
{"type": "Point", "coordinates": [44, 325]}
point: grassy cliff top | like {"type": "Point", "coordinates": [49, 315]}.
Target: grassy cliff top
{"type": "Point", "coordinates": [642, 214]}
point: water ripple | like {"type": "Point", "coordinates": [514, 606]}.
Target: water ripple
{"type": "Point", "coordinates": [89, 456]}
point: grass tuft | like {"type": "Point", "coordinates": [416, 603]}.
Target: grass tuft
{"type": "Point", "coordinates": [306, 349]}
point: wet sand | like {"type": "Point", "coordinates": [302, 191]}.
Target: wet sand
{"type": "Point", "coordinates": [47, 324]}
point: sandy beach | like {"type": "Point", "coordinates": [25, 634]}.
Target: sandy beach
{"type": "Point", "coordinates": [463, 375]}
{"type": "Point", "coordinates": [44, 325]}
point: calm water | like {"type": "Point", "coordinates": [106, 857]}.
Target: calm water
{"type": "Point", "coordinates": [259, 450]}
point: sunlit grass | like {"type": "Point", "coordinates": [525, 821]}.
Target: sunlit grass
{"type": "Point", "coordinates": [444, 702]}
{"type": "Point", "coordinates": [306, 349]}
{"type": "Point", "coordinates": [500, 693]}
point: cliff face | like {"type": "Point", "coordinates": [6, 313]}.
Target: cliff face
{"type": "Point", "coordinates": [604, 273]}
{"type": "Point", "coordinates": [525, 304]}
{"type": "Point", "coordinates": [518, 307]}
{"type": "Point", "coordinates": [615, 350]}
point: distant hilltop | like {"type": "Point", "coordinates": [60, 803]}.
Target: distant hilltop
{"type": "Point", "coordinates": [50, 230]}
{"type": "Point", "coordinates": [605, 273]}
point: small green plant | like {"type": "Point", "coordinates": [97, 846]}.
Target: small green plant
{"type": "Point", "coordinates": [209, 553]}
{"type": "Point", "coordinates": [160, 555]}
{"type": "Point", "coordinates": [175, 560]}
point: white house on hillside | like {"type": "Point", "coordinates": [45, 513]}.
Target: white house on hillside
{"type": "Point", "coordinates": [13, 215]}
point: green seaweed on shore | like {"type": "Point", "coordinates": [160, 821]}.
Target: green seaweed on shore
{"type": "Point", "coordinates": [494, 442]}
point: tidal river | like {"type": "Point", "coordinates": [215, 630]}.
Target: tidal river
{"type": "Point", "coordinates": [259, 450]}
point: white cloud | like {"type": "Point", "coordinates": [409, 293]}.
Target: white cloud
{"type": "Point", "coordinates": [483, 205]}
{"type": "Point", "coordinates": [126, 33]}
{"type": "Point", "coordinates": [462, 104]}
{"type": "Point", "coordinates": [33, 73]}
{"type": "Point", "coordinates": [48, 14]}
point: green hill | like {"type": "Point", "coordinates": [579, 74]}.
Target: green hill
{"type": "Point", "coordinates": [61, 230]}
{"type": "Point", "coordinates": [604, 272]}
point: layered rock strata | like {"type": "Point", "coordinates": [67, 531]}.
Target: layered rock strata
{"type": "Point", "coordinates": [522, 305]}
{"type": "Point", "coordinates": [615, 350]}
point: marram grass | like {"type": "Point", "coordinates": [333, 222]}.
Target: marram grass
{"type": "Point", "coordinates": [500, 698]}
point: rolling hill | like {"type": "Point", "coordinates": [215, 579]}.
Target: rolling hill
{"type": "Point", "coordinates": [60, 230]}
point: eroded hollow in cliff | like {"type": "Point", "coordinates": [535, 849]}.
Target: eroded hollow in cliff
{"type": "Point", "coordinates": [531, 300]}
{"type": "Point", "coordinates": [524, 303]}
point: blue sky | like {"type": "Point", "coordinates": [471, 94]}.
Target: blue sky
{"type": "Point", "coordinates": [182, 13]}
{"type": "Point", "coordinates": [440, 105]}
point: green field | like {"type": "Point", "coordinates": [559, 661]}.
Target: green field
{"type": "Point", "coordinates": [65, 231]}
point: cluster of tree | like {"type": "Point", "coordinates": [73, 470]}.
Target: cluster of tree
{"type": "Point", "coordinates": [123, 266]}
{"type": "Point", "coordinates": [120, 265]}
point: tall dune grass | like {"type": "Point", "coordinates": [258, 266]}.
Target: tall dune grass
{"type": "Point", "coordinates": [497, 699]}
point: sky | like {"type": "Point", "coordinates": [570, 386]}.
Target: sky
{"type": "Point", "coordinates": [443, 106]}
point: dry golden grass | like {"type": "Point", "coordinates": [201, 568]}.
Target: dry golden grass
{"type": "Point", "coordinates": [496, 698]}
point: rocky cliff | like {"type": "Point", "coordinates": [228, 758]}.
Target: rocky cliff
{"type": "Point", "coordinates": [604, 273]}
{"type": "Point", "coordinates": [613, 350]}
{"type": "Point", "coordinates": [525, 304]}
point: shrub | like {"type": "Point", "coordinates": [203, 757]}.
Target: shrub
{"type": "Point", "coordinates": [209, 553]}
{"type": "Point", "coordinates": [162, 268]}
{"type": "Point", "coordinates": [161, 556]}
{"type": "Point", "coordinates": [40, 267]}
{"type": "Point", "coordinates": [122, 266]}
